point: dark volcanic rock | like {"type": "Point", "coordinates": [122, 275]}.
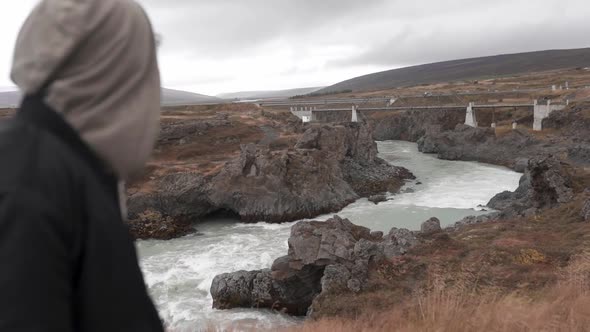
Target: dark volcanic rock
{"type": "Point", "coordinates": [378, 199]}
{"type": "Point", "coordinates": [279, 186]}
{"type": "Point", "coordinates": [430, 226]}
{"type": "Point", "coordinates": [546, 184]}
{"type": "Point", "coordinates": [152, 225]}
{"type": "Point", "coordinates": [513, 148]}
{"type": "Point", "coordinates": [330, 167]}
{"type": "Point", "coordinates": [368, 179]}
{"type": "Point", "coordinates": [323, 258]}
{"type": "Point", "coordinates": [585, 213]}
{"type": "Point", "coordinates": [579, 154]}
{"type": "Point", "coordinates": [481, 144]}
{"type": "Point", "coordinates": [179, 195]}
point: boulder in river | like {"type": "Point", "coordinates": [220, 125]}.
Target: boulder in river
{"type": "Point", "coordinates": [152, 225]}
{"type": "Point", "coordinates": [330, 166]}
{"type": "Point", "coordinates": [378, 199]}
{"type": "Point", "coordinates": [323, 257]}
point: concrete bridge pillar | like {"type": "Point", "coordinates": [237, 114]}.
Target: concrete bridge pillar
{"type": "Point", "coordinates": [470, 118]}
{"type": "Point", "coordinates": [354, 114]}
{"type": "Point", "coordinates": [542, 112]}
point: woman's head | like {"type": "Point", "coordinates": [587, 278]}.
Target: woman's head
{"type": "Point", "coordinates": [100, 61]}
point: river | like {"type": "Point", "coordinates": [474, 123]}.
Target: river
{"type": "Point", "coordinates": [179, 272]}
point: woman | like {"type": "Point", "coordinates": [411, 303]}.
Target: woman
{"type": "Point", "coordinates": [88, 122]}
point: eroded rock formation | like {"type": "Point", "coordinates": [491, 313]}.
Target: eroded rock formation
{"type": "Point", "coordinates": [545, 184]}
{"type": "Point", "coordinates": [512, 149]}
{"type": "Point", "coordinates": [324, 257]}
{"type": "Point", "coordinates": [329, 167]}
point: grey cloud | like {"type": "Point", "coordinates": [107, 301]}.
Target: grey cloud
{"type": "Point", "coordinates": [412, 46]}
{"type": "Point", "coordinates": [229, 28]}
{"type": "Point", "coordinates": [214, 29]}
{"type": "Point", "coordinates": [338, 37]}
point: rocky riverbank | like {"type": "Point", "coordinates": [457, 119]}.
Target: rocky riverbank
{"type": "Point", "coordinates": [566, 135]}
{"type": "Point", "coordinates": [324, 258]}
{"type": "Point", "coordinates": [336, 268]}
{"type": "Point", "coordinates": [290, 172]}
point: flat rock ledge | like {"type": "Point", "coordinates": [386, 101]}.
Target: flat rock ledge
{"type": "Point", "coordinates": [323, 257]}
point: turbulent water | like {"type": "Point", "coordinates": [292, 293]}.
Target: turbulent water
{"type": "Point", "coordinates": [179, 272]}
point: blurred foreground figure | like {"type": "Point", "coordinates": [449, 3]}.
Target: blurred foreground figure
{"type": "Point", "coordinates": [89, 120]}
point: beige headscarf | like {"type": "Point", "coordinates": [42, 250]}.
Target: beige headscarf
{"type": "Point", "coordinates": [101, 58]}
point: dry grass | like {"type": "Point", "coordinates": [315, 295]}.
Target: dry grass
{"type": "Point", "coordinates": [7, 113]}
{"type": "Point", "coordinates": [562, 307]}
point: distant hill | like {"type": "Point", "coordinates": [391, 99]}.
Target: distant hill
{"type": "Point", "coordinates": [268, 94]}
{"type": "Point", "coordinates": [169, 98]}
{"type": "Point", "coordinates": [465, 69]}
{"type": "Point", "coordinates": [178, 98]}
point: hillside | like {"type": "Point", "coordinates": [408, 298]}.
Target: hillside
{"type": "Point", "coordinates": [169, 98]}
{"type": "Point", "coordinates": [176, 98]}
{"type": "Point", "coordinates": [268, 94]}
{"type": "Point", "coordinates": [475, 68]}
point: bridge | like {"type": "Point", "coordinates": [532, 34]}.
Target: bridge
{"type": "Point", "coordinates": [541, 111]}
{"type": "Point", "coordinates": [389, 100]}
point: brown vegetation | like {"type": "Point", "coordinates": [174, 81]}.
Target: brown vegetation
{"type": "Point", "coordinates": [506, 89]}
{"type": "Point", "coordinates": [562, 307]}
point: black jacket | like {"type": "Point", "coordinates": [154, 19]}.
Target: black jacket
{"type": "Point", "coordinates": [67, 261]}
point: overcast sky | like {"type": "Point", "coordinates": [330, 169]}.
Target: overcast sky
{"type": "Point", "coordinates": [215, 46]}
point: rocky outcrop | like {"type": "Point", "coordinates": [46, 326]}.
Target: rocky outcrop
{"type": "Point", "coordinates": [545, 184]}
{"type": "Point", "coordinates": [512, 149]}
{"type": "Point", "coordinates": [370, 178]}
{"type": "Point", "coordinates": [281, 186]}
{"type": "Point", "coordinates": [323, 258]}
{"type": "Point", "coordinates": [570, 141]}
{"type": "Point", "coordinates": [431, 226]}
{"type": "Point", "coordinates": [328, 168]}
{"type": "Point", "coordinates": [376, 199]}
{"type": "Point", "coordinates": [178, 195]}
{"type": "Point", "coordinates": [152, 225]}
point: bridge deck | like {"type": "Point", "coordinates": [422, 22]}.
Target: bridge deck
{"type": "Point", "coordinates": [408, 108]}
